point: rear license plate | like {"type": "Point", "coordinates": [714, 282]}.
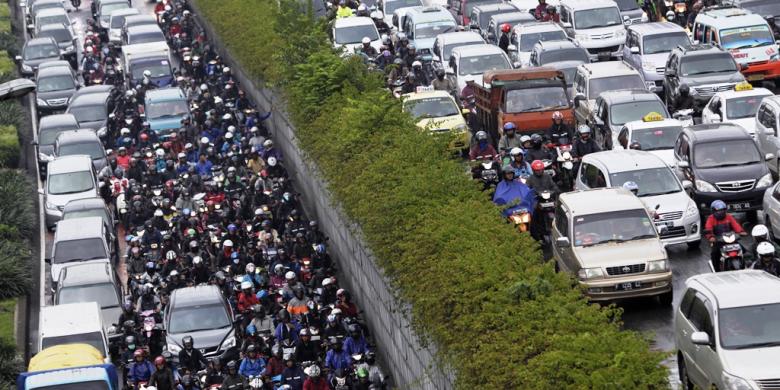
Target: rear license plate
{"type": "Point", "coordinates": [739, 206]}
{"type": "Point", "coordinates": [545, 205]}
{"type": "Point", "coordinates": [755, 77]}
{"type": "Point", "coordinates": [628, 286]}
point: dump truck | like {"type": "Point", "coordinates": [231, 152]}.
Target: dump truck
{"type": "Point", "coordinates": [69, 367]}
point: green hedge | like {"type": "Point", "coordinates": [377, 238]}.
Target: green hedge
{"type": "Point", "coordinates": [499, 315]}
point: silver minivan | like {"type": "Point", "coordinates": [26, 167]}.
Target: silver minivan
{"type": "Point", "coordinates": [67, 178]}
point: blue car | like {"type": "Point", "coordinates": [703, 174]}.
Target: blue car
{"type": "Point", "coordinates": [164, 109]}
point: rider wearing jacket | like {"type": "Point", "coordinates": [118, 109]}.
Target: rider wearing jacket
{"type": "Point", "coordinates": [141, 370]}
{"type": "Point", "coordinates": [585, 144]}
{"type": "Point", "coordinates": [518, 163]}
{"type": "Point", "coordinates": [538, 151]}
{"type": "Point", "coordinates": [540, 180]}
{"type": "Point", "coordinates": [510, 139]}
{"type": "Point", "coordinates": [766, 259]}
{"type": "Point", "coordinates": [191, 359]}
{"type": "Point", "coordinates": [717, 223]}
{"type": "Point", "coordinates": [482, 147]}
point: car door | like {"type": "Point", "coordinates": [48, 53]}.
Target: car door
{"type": "Point", "coordinates": [621, 141]}
{"type": "Point", "coordinates": [694, 321]}
{"type": "Point", "coordinates": [632, 40]}
{"type": "Point", "coordinates": [682, 153]}
{"type": "Point", "coordinates": [683, 327]}
{"type": "Point", "coordinates": [773, 213]}
{"type": "Point", "coordinates": [711, 111]}
{"type": "Point", "coordinates": [670, 79]}
{"type": "Point", "coordinates": [560, 228]}
{"type": "Point", "coordinates": [768, 119]}
{"type": "Point", "coordinates": [706, 356]}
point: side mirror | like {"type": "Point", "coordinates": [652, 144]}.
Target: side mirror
{"type": "Point", "coordinates": [683, 164]}
{"type": "Point", "coordinates": [769, 156]}
{"type": "Point", "coordinates": [47, 260]}
{"type": "Point", "coordinates": [562, 242]}
{"type": "Point", "coordinates": [769, 132]}
{"type": "Point", "coordinates": [716, 119]}
{"type": "Point", "coordinates": [687, 184]}
{"type": "Point", "coordinates": [18, 58]}
{"type": "Point", "coordinates": [670, 72]}
{"type": "Point", "coordinates": [34, 142]}
{"type": "Point", "coordinates": [700, 338]}
{"type": "Point", "coordinates": [473, 25]}
{"type": "Point", "coordinates": [578, 99]}
{"type": "Point", "coordinates": [436, 58]}
{"type": "Point", "coordinates": [512, 49]}
{"type": "Point", "coordinates": [598, 122]}
{"type": "Point", "coordinates": [40, 191]}
{"type": "Point", "coordinates": [634, 50]}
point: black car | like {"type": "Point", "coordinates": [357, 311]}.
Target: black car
{"type": "Point", "coordinates": [35, 52]}
{"type": "Point", "coordinates": [721, 161]}
{"type": "Point", "coordinates": [49, 128]}
{"type": "Point", "coordinates": [56, 85]}
{"type": "Point", "coordinates": [65, 40]}
{"type": "Point", "coordinates": [91, 111]}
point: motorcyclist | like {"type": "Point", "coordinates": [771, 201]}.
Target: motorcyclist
{"type": "Point", "coordinates": [367, 49]}
{"type": "Point", "coordinates": [356, 343]}
{"type": "Point", "coordinates": [503, 41]}
{"type": "Point", "coordinates": [522, 168]}
{"type": "Point", "coordinates": [538, 151]}
{"type": "Point", "coordinates": [509, 139]}
{"type": "Point", "coordinates": [719, 222]}
{"type": "Point", "coordinates": [584, 145]}
{"type": "Point", "coordinates": [410, 56]}
{"type": "Point", "coordinates": [293, 375]}
{"type": "Point", "coordinates": [141, 370]}
{"type": "Point", "coordinates": [148, 300]}
{"type": "Point", "coordinates": [314, 381]}
{"type": "Point", "coordinates": [760, 233]}
{"type": "Point", "coordinates": [482, 147]}
{"type": "Point", "coordinates": [233, 380]}
{"type": "Point", "coordinates": [306, 350]}
{"type": "Point", "coordinates": [252, 364]}
{"type": "Point", "coordinates": [162, 378]}
{"type": "Point", "coordinates": [440, 83]}
{"type": "Point", "coordinates": [337, 357]}
{"type": "Point", "coordinates": [684, 100]}
{"type": "Point", "coordinates": [375, 374]}
{"type": "Point", "coordinates": [541, 180]}
{"type": "Point", "coordinates": [767, 260]}
{"type": "Point", "coordinates": [540, 10]}
{"type": "Point", "coordinates": [191, 359]}
{"type": "Point", "coordinates": [411, 84]}
{"type": "Point", "coordinates": [420, 74]}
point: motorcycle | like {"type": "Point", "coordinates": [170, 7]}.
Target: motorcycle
{"type": "Point", "coordinates": [546, 210]}
{"type": "Point", "coordinates": [566, 168]}
{"type": "Point", "coordinates": [731, 253]}
{"type": "Point", "coordinates": [521, 218]}
{"type": "Point", "coordinates": [681, 13]}
{"type": "Point", "coordinates": [486, 169]}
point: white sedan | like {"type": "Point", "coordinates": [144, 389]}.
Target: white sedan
{"type": "Point", "coordinates": [738, 107]}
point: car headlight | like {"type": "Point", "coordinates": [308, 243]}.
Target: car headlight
{"type": "Point", "coordinates": [230, 342]}
{"type": "Point", "coordinates": [173, 348]}
{"type": "Point", "coordinates": [41, 102]}
{"type": "Point", "coordinates": [734, 382]}
{"type": "Point", "coordinates": [620, 33]}
{"type": "Point", "coordinates": [582, 37]}
{"type": "Point", "coordinates": [590, 273]}
{"type": "Point", "coordinates": [50, 206]}
{"type": "Point", "coordinates": [692, 210]}
{"type": "Point", "coordinates": [648, 66]}
{"type": "Point", "coordinates": [460, 128]}
{"type": "Point", "coordinates": [658, 266]}
{"type": "Point", "coordinates": [70, 48]}
{"type": "Point", "coordinates": [26, 68]}
{"type": "Point", "coordinates": [765, 181]}
{"type": "Point", "coordinates": [703, 186]}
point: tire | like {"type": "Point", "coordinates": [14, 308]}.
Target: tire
{"type": "Point", "coordinates": [693, 245]}
{"type": "Point", "coordinates": [683, 372]}
{"type": "Point", "coordinates": [666, 298]}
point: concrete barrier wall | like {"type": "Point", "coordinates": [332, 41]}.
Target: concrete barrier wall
{"type": "Point", "coordinates": [411, 365]}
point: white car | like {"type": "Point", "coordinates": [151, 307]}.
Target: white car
{"type": "Point", "coordinates": [469, 63]}
{"type": "Point", "coordinates": [525, 36]}
{"type": "Point", "coordinates": [116, 21]}
{"type": "Point", "coordinates": [596, 25]}
{"type": "Point", "coordinates": [349, 33]}
{"type": "Point", "coordinates": [738, 106]}
{"type": "Point", "coordinates": [771, 206]}
{"type": "Point", "coordinates": [388, 8]}
{"type": "Point", "coordinates": [655, 136]}
{"type": "Point", "coordinates": [726, 332]}
{"type": "Point", "coordinates": [442, 47]}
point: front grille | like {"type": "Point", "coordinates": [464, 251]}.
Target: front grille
{"type": "Point", "coordinates": [735, 186]}
{"type": "Point", "coordinates": [603, 36]}
{"type": "Point", "coordinates": [209, 351]}
{"type": "Point", "coordinates": [439, 130]}
{"type": "Point", "coordinates": [626, 269]}
{"type": "Point", "coordinates": [710, 90]}
{"type": "Point", "coordinates": [768, 384]}
{"type": "Point", "coordinates": [608, 49]}
{"type": "Point", "coordinates": [661, 71]}
{"type": "Point", "coordinates": [674, 231]}
{"type": "Point", "coordinates": [670, 216]}
{"type": "Point", "coordinates": [757, 63]}
{"type": "Point", "coordinates": [57, 102]}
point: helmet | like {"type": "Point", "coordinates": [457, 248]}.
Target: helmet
{"type": "Point", "coordinates": [718, 205]}
{"type": "Point", "coordinates": [289, 275]}
{"type": "Point", "coordinates": [685, 89]}
{"type": "Point", "coordinates": [187, 341]}
{"type": "Point", "coordinates": [227, 244]}
{"type": "Point", "coordinates": [631, 186]}
{"type": "Point", "coordinates": [516, 151]}
{"type": "Point", "coordinates": [159, 360]}
{"type": "Point", "coordinates": [670, 15]}
{"type": "Point", "coordinates": [158, 213]}
{"type": "Point", "coordinates": [226, 70]}
{"type": "Point", "coordinates": [362, 372]}
{"type": "Point", "coordinates": [197, 260]}
{"type": "Point", "coordinates": [537, 165]}
{"type": "Point", "coordinates": [250, 268]}
{"type": "Point", "coordinates": [760, 231]}
{"type": "Point", "coordinates": [170, 255]}
{"type": "Point", "coordinates": [557, 115]}
{"type": "Point", "coordinates": [536, 139]}
{"type": "Point", "coordinates": [440, 72]}
{"type": "Point", "coordinates": [366, 40]}
{"type": "Point", "coordinates": [204, 140]}
{"type": "Point", "coordinates": [246, 285]}
{"type": "Point", "coordinates": [130, 340]}
{"type": "Point", "coordinates": [138, 352]}
{"type": "Point", "coordinates": [148, 73]}
{"type": "Point", "coordinates": [510, 126]}
{"type": "Point", "coordinates": [508, 169]}
{"type": "Point", "coordinates": [268, 143]}
{"type": "Point", "coordinates": [481, 136]}
{"type": "Point", "coordinates": [410, 46]}
{"type": "Point", "coordinates": [525, 139]}
{"type": "Point", "coordinates": [232, 227]}
{"type": "Point", "coordinates": [251, 348]}
{"type": "Point", "coordinates": [416, 64]}
{"type": "Point", "coordinates": [583, 129]}
{"type": "Point", "coordinates": [765, 249]}
{"type": "Point", "coordinates": [506, 27]}
{"type": "Point", "coordinates": [186, 380]}
{"type": "Point", "coordinates": [204, 87]}
{"type": "Point", "coordinates": [231, 365]}
{"type": "Point", "coordinates": [314, 371]}
{"type": "Point", "coordinates": [228, 135]}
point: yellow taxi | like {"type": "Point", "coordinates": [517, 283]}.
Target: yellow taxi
{"type": "Point", "coordinates": [437, 112]}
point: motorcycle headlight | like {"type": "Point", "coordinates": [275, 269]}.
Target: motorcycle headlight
{"type": "Point", "coordinates": [41, 102]}
{"type": "Point", "coordinates": [765, 181]}
{"type": "Point", "coordinates": [582, 37]}
{"type": "Point", "coordinates": [174, 349]}
{"type": "Point", "coordinates": [734, 382]}
{"type": "Point", "coordinates": [590, 273]}
{"type": "Point", "coordinates": [230, 342]}
{"type": "Point", "coordinates": [692, 210]}
{"type": "Point", "coordinates": [658, 266]}
{"type": "Point", "coordinates": [703, 186]}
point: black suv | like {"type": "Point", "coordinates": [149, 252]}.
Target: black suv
{"type": "Point", "coordinates": [721, 161]}
{"type": "Point", "coordinates": [705, 69]}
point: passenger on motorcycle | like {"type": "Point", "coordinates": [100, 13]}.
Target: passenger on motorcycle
{"type": "Point", "coordinates": [584, 145]}
{"type": "Point", "coordinates": [482, 147]}
{"type": "Point", "coordinates": [141, 370]}
{"type": "Point", "coordinates": [306, 350]}
{"type": "Point", "coordinates": [233, 380]}
{"type": "Point", "coordinates": [538, 151]}
{"type": "Point", "coordinates": [252, 364]}
{"type": "Point", "coordinates": [522, 168]}
{"type": "Point", "coordinates": [767, 260]}
{"type": "Point", "coordinates": [719, 222]}
{"type": "Point", "coordinates": [348, 308]}
{"type": "Point", "coordinates": [148, 300]}
{"type": "Point", "coordinates": [509, 139]}
{"type": "Point", "coordinates": [440, 83]}
{"type": "Point", "coordinates": [314, 381]}
{"type": "Point", "coordinates": [760, 234]}
{"type": "Point", "coordinates": [293, 375]}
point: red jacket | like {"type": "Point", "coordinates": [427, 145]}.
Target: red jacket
{"type": "Point", "coordinates": [246, 301]}
{"type": "Point", "coordinates": [714, 227]}
{"type": "Point", "coordinates": [321, 384]}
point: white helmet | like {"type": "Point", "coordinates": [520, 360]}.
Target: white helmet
{"type": "Point", "coordinates": [197, 260]}
{"type": "Point", "coordinates": [124, 131]}
{"type": "Point", "coordinates": [226, 117]}
{"type": "Point", "coordinates": [160, 153]}
{"type": "Point", "coordinates": [366, 40]}
{"type": "Point", "coordinates": [765, 249]}
{"type": "Point", "coordinates": [89, 49]}
{"type": "Point", "coordinates": [217, 100]}
{"type": "Point", "coordinates": [272, 161]}
{"type": "Point", "coordinates": [148, 73]}
{"type": "Point", "coordinates": [314, 371]}
{"type": "Point", "coordinates": [760, 231]}
{"type": "Point", "coordinates": [204, 87]}
{"type": "Point", "coordinates": [204, 140]}
{"type": "Point", "coordinates": [181, 155]}
{"type": "Point", "coordinates": [289, 275]}
{"type": "Point", "coordinates": [158, 213]}
{"type": "Point", "coordinates": [250, 268]}
{"type": "Point", "coordinates": [228, 244]}
{"type": "Point", "coordinates": [254, 129]}
{"type": "Point", "coordinates": [515, 151]}
{"type": "Point", "coordinates": [362, 7]}
{"type": "Point", "coordinates": [246, 285]}
{"type": "Point", "coordinates": [226, 70]}
{"type": "Point", "coordinates": [268, 143]}
{"type": "Point", "coordinates": [416, 64]}
{"type": "Point", "coordinates": [228, 135]}
{"type": "Point", "coordinates": [231, 128]}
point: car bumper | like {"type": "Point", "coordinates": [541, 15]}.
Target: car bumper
{"type": "Point", "coordinates": [653, 81]}
{"type": "Point", "coordinates": [604, 50]}
{"type": "Point", "coordinates": [684, 230]}
{"type": "Point", "coordinates": [761, 71]}
{"type": "Point", "coordinates": [737, 201]}
{"type": "Point", "coordinates": [606, 289]}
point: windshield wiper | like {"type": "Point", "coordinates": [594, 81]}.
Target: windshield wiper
{"type": "Point", "coordinates": [616, 240]}
{"type": "Point", "coordinates": [711, 71]}
{"type": "Point", "coordinates": [735, 164]}
{"type": "Point", "coordinates": [759, 345]}
{"type": "Point", "coordinates": [641, 237]}
{"type": "Point", "coordinates": [660, 193]}
{"type": "Point", "coordinates": [748, 46]}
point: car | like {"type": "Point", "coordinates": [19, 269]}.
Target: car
{"type": "Point", "coordinates": [525, 36]}
{"type": "Point", "coordinates": [35, 52]}
{"type": "Point", "coordinates": [92, 282]}
{"type": "Point", "coordinates": [771, 205]}
{"type": "Point", "coordinates": [55, 86]}
{"type": "Point", "coordinates": [481, 14]}
{"type": "Point", "coordinates": [615, 108]}
{"type": "Point", "coordinates": [442, 47]}
{"type": "Point", "coordinates": [653, 133]}
{"type": "Point", "coordinates": [705, 69]}
{"type": "Point", "coordinates": [631, 13]}
{"type": "Point", "coordinates": [437, 112]}
{"type": "Point", "coordinates": [769, 9]}
{"type": "Point", "coordinates": [80, 241]}
{"type": "Point", "coordinates": [722, 330]}
{"type": "Point", "coordinates": [164, 109]}
{"type": "Point", "coordinates": [563, 55]}
{"type": "Point", "coordinates": [137, 20]}
{"type": "Point", "coordinates": [349, 32]}
{"type": "Point", "coordinates": [388, 7]}
{"type": "Point", "coordinates": [65, 40]}
{"type": "Point", "coordinates": [469, 63]}
{"type": "Point", "coordinates": [723, 163]}
{"type": "Point", "coordinates": [82, 141]}
{"type": "Point", "coordinates": [67, 178]}
{"type": "Point", "coordinates": [56, 16]}
{"type": "Point", "coordinates": [143, 34]}
{"type": "Point", "coordinates": [738, 106]}
{"type": "Point", "coordinates": [596, 25]}
{"type": "Point", "coordinates": [116, 23]}
{"type": "Point", "coordinates": [202, 313]}
{"type": "Point", "coordinates": [92, 207]}
{"type": "Point", "coordinates": [591, 80]}
{"type": "Point", "coordinates": [104, 10]}
{"type": "Point", "coordinates": [423, 24]}
{"type": "Point", "coordinates": [157, 63]}
{"type": "Point", "coordinates": [73, 323]}
{"type": "Point", "coordinates": [515, 19]}
{"type": "Point", "coordinates": [91, 110]}
{"type": "Point", "coordinates": [611, 247]}
{"type": "Point", "coordinates": [49, 127]}
{"type": "Point", "coordinates": [461, 9]}
{"type": "Point", "coordinates": [767, 121]}
{"type": "Point", "coordinates": [648, 46]}
{"type": "Point", "coordinates": [35, 6]}
{"type": "Point", "coordinates": [747, 36]}
{"type": "Point", "coordinates": [675, 215]}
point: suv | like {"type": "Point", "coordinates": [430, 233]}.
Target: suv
{"type": "Point", "coordinates": [722, 162]}
{"type": "Point", "coordinates": [612, 247]}
{"type": "Point", "coordinates": [85, 141]}
{"type": "Point", "coordinates": [593, 79]}
{"type": "Point", "coordinates": [35, 52]}
{"type": "Point", "coordinates": [767, 126]}
{"type": "Point", "coordinates": [461, 9]}
{"type": "Point", "coordinates": [480, 15]}
{"type": "Point", "coordinates": [725, 332]}
{"type": "Point", "coordinates": [616, 108]}
{"type": "Point", "coordinates": [92, 281]}
{"type": "Point", "coordinates": [676, 215]}
{"type": "Point", "coordinates": [55, 86]}
{"type": "Point", "coordinates": [164, 109]}
{"type": "Point", "coordinates": [49, 128]}
{"type": "Point", "coordinates": [80, 240]}
{"type": "Point", "coordinates": [65, 39]}
{"type": "Point", "coordinates": [423, 24]}
{"type": "Point", "coordinates": [469, 63]}
{"type": "Point", "coordinates": [648, 46]}
{"type": "Point", "coordinates": [704, 69]}
{"type": "Point", "coordinates": [67, 178]}
{"type": "Point", "coordinates": [203, 313]}
{"type": "Point", "coordinates": [91, 111]}
{"type": "Point", "coordinates": [515, 19]}
{"type": "Point", "coordinates": [747, 36]}
{"type": "Point", "coordinates": [596, 25]}
{"type": "Point", "coordinates": [525, 36]}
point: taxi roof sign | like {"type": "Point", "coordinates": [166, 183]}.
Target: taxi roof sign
{"type": "Point", "coordinates": [743, 87]}
{"type": "Point", "coordinates": [422, 89]}
{"type": "Point", "coordinates": [653, 117]}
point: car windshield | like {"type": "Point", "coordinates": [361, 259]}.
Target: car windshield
{"type": "Point", "coordinates": [60, 19]}
{"type": "Point", "coordinates": [166, 109]}
{"type": "Point", "coordinates": [627, 112]}
{"type": "Point", "coordinates": [613, 226]}
{"type": "Point", "coordinates": [527, 41]}
{"type": "Point", "coordinates": [749, 326]}
{"type": "Point", "coordinates": [106, 9]}
{"type": "Point", "coordinates": [536, 99]}
{"type": "Point", "coordinates": [94, 339]}
{"type": "Point", "coordinates": [118, 21]}
{"type": "Point", "coordinates": [746, 37]}
{"type": "Point", "coordinates": [391, 6]}
{"type": "Point", "coordinates": [656, 138]}
{"type": "Point", "coordinates": [159, 68]}
{"type": "Point", "coordinates": [85, 214]}
{"type": "Point", "coordinates": [447, 49]}
{"type": "Point", "coordinates": [91, 149]}
{"type": "Point", "coordinates": [705, 64]}
{"type": "Point", "coordinates": [481, 64]}
{"type": "Point", "coordinates": [560, 55]}
{"type": "Point", "coordinates": [763, 7]}
{"type": "Point", "coordinates": [79, 250]}
{"type": "Point", "coordinates": [35, 52]}
{"type": "Point", "coordinates": [70, 183]}
{"type": "Point", "coordinates": [595, 18]}
{"type": "Point", "coordinates": [654, 181]}
{"type": "Point", "coordinates": [726, 153]}
{"type": "Point", "coordinates": [47, 136]}
{"type": "Point", "coordinates": [431, 30]}
{"type": "Point", "coordinates": [599, 85]}
{"type": "Point", "coordinates": [198, 318]}
{"type": "Point", "coordinates": [434, 107]}
{"type": "Point", "coordinates": [55, 83]}
{"type": "Point", "coordinates": [355, 34]}
{"type": "Point", "coordinates": [627, 5]}
{"type": "Point", "coordinates": [89, 385]}
{"type": "Point", "coordinates": [88, 113]}
{"type": "Point", "coordinates": [664, 43]}
{"type": "Point", "coordinates": [154, 36]}
{"type": "Point", "coordinates": [743, 107]}
{"type": "Point", "coordinates": [104, 294]}
{"type": "Point", "coordinates": [45, 5]}
{"type": "Point", "coordinates": [470, 4]}
{"type": "Point", "coordinates": [60, 35]}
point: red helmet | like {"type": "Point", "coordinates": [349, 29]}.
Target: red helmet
{"type": "Point", "coordinates": [144, 136]}
{"type": "Point", "coordinates": [158, 361]}
{"type": "Point", "coordinates": [506, 27]}
{"type": "Point", "coordinates": [138, 352]}
{"type": "Point", "coordinates": [537, 165]}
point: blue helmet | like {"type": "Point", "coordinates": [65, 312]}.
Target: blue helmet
{"type": "Point", "coordinates": [251, 330]}
{"type": "Point", "coordinates": [510, 126]}
{"type": "Point", "coordinates": [261, 294]}
{"type": "Point", "coordinates": [232, 227]}
{"type": "Point", "coordinates": [186, 212]}
{"type": "Point", "coordinates": [718, 205]}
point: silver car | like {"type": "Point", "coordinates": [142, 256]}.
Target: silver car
{"type": "Point", "coordinates": [67, 178]}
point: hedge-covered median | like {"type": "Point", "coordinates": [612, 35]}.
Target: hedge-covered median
{"type": "Point", "coordinates": [480, 291]}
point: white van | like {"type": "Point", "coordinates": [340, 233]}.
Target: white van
{"type": "Point", "coordinates": [596, 25]}
{"type": "Point", "coordinates": [72, 323]}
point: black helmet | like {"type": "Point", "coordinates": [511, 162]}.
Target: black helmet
{"type": "Point", "coordinates": [536, 139]}
{"type": "Point", "coordinates": [685, 90]}
{"type": "Point", "coordinates": [439, 72]}
{"type": "Point", "coordinates": [231, 365]}
{"type": "Point", "coordinates": [251, 348]}
{"type": "Point", "coordinates": [507, 169]}
{"type": "Point", "coordinates": [187, 342]}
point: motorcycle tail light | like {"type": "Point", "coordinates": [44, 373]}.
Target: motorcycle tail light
{"type": "Point", "coordinates": [732, 254]}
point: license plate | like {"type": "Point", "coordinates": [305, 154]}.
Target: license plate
{"type": "Point", "coordinates": [628, 286]}
{"type": "Point", "coordinates": [545, 205]}
{"type": "Point", "coordinates": [739, 206]}
{"type": "Point", "coordinates": [667, 224]}
{"type": "Point", "coordinates": [605, 54]}
{"type": "Point", "coordinates": [755, 77]}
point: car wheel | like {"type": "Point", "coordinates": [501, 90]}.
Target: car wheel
{"type": "Point", "coordinates": [666, 298]}
{"type": "Point", "coordinates": [683, 371]}
{"type": "Point", "coordinates": [694, 245]}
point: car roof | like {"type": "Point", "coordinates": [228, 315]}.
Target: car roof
{"type": "Point", "coordinates": [85, 204]}
{"type": "Point", "coordinates": [753, 92]}
{"type": "Point", "coordinates": [495, 7]}
{"type": "Point", "coordinates": [77, 136]}
{"type": "Point", "coordinates": [51, 11]}
{"type": "Point", "coordinates": [423, 95]}
{"type": "Point", "coordinates": [53, 26]}
{"type": "Point", "coordinates": [728, 17]}
{"type": "Point", "coordinates": [700, 49]}
{"type": "Point", "coordinates": [41, 41]}
{"type": "Point", "coordinates": [164, 94]}
{"type": "Point", "coordinates": [628, 95]}
{"type": "Point", "coordinates": [625, 160]}
{"type": "Point", "coordinates": [739, 288]}
{"type": "Point", "coordinates": [105, 2]}
{"type": "Point", "coordinates": [67, 164]}
{"type": "Point", "coordinates": [141, 17]}
{"type": "Point", "coordinates": [125, 12]}
{"type": "Point", "coordinates": [70, 318]}
{"type": "Point", "coordinates": [558, 45]}
{"type": "Point", "coordinates": [56, 70]}
{"type": "Point", "coordinates": [79, 228]}
{"type": "Point", "coordinates": [198, 295]}
{"type": "Point", "coordinates": [512, 17]}
{"type": "Point", "coordinates": [640, 124]}
{"type": "Point", "coordinates": [460, 37]}
{"type": "Point", "coordinates": [477, 50]}
{"type": "Point", "coordinates": [91, 99]}
{"type": "Point", "coordinates": [57, 120]}
{"type": "Point", "coordinates": [143, 28]}
{"type": "Point", "coordinates": [591, 201]}
{"type": "Point", "coordinates": [588, 4]}
{"type": "Point", "coordinates": [608, 69]}
{"type": "Point", "coordinates": [353, 21]}
{"type": "Point", "coordinates": [423, 14]}
{"type": "Point", "coordinates": [80, 274]}
{"type": "Point", "coordinates": [537, 27]}
{"type": "Point", "coordinates": [656, 28]}
{"type": "Point", "coordinates": [40, 2]}
{"type": "Point", "coordinates": [101, 88]}
{"type": "Point", "coordinates": [716, 132]}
